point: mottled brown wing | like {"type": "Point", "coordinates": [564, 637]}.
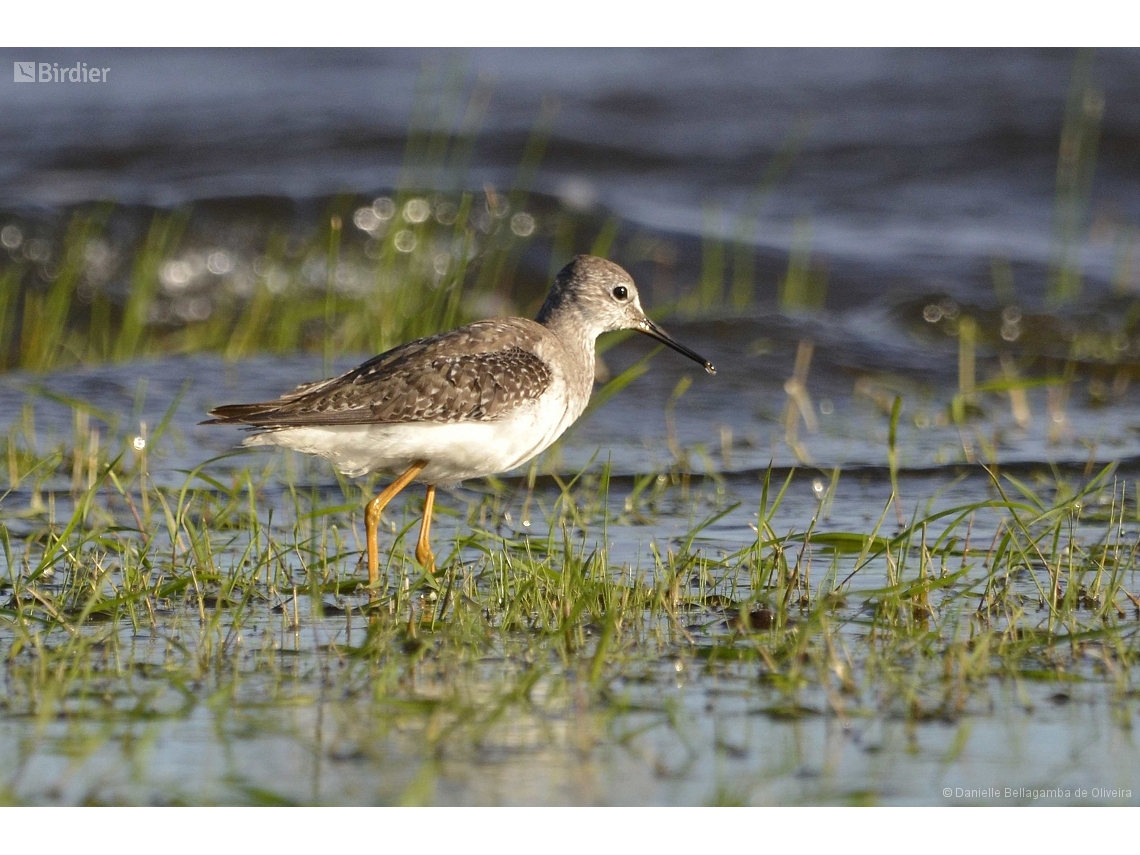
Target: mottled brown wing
{"type": "Point", "coordinates": [480, 372]}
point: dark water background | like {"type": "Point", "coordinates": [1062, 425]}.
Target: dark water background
{"type": "Point", "coordinates": [911, 174]}
{"type": "Point", "coordinates": [919, 165]}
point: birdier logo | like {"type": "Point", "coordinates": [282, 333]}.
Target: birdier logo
{"type": "Point", "coordinates": [52, 72]}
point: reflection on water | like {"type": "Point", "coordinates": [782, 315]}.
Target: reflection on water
{"type": "Point", "coordinates": [298, 718]}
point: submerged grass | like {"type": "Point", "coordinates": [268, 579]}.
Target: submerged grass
{"type": "Point", "coordinates": [129, 607]}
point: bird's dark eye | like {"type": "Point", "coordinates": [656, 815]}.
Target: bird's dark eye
{"type": "Point", "coordinates": [620, 292]}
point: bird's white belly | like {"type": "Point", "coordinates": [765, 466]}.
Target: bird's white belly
{"type": "Point", "coordinates": [455, 451]}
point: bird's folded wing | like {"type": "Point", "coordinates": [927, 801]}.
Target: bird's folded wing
{"type": "Point", "coordinates": [480, 372]}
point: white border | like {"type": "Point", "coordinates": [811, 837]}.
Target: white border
{"type": "Point", "coordinates": [564, 23]}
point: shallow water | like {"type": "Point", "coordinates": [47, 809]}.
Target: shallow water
{"type": "Point", "coordinates": [296, 722]}
{"type": "Point", "coordinates": [919, 173]}
{"type": "Point", "coordinates": [733, 422]}
{"type": "Point", "coordinates": [702, 739]}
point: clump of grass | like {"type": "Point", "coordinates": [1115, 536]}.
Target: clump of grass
{"type": "Point", "coordinates": [364, 276]}
{"type": "Point", "coordinates": [1076, 166]}
{"type": "Point", "coordinates": [403, 274]}
{"type": "Point", "coordinates": [126, 604]}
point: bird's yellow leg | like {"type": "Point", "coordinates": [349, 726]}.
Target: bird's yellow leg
{"type": "Point", "coordinates": [423, 545]}
{"type": "Point", "coordinates": [372, 513]}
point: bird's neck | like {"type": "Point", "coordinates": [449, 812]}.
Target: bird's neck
{"type": "Point", "coordinates": [577, 340]}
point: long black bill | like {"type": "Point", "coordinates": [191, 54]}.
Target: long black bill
{"type": "Point", "coordinates": [653, 331]}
